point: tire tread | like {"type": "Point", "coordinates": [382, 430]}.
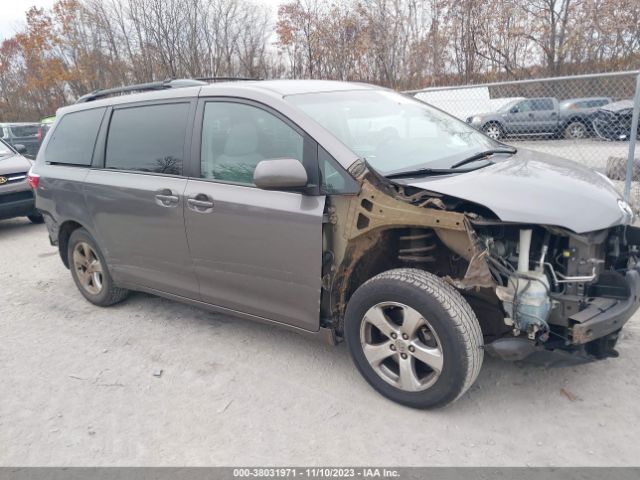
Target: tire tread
{"type": "Point", "coordinates": [459, 310]}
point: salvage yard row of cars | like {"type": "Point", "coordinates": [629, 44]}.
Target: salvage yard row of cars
{"type": "Point", "coordinates": [575, 118]}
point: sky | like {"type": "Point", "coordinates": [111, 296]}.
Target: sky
{"type": "Point", "coordinates": [12, 14]}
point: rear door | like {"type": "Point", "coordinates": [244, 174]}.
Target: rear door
{"type": "Point", "coordinates": [254, 251]}
{"type": "Point", "coordinates": [545, 114]}
{"type": "Point", "coordinates": [137, 198]}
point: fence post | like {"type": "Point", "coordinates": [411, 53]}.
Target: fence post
{"type": "Point", "coordinates": [633, 138]}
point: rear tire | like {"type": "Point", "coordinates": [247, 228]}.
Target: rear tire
{"type": "Point", "coordinates": [90, 272]}
{"type": "Point", "coordinates": [575, 131]}
{"type": "Point", "coordinates": [414, 338]}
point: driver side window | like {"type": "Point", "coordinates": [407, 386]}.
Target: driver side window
{"type": "Point", "coordinates": [524, 106]}
{"type": "Point", "coordinates": [236, 137]}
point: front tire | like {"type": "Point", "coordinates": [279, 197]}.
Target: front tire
{"type": "Point", "coordinates": [90, 272]}
{"type": "Point", "coordinates": [413, 338]}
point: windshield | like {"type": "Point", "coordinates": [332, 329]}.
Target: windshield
{"type": "Point", "coordinates": [507, 106]}
{"type": "Point", "coordinates": [4, 150]}
{"type": "Point", "coordinates": [391, 131]}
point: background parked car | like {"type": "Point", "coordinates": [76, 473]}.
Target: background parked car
{"type": "Point", "coordinates": [613, 121]}
{"type": "Point", "coordinates": [16, 196]}
{"type": "Point", "coordinates": [575, 116]}
{"type": "Point", "coordinates": [533, 116]}
{"type": "Point", "coordinates": [540, 116]}
{"type": "Point", "coordinates": [22, 134]}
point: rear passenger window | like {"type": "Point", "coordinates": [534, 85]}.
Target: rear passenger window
{"type": "Point", "coordinates": [73, 139]}
{"type": "Point", "coordinates": [236, 137]}
{"type": "Point", "coordinates": [542, 104]}
{"type": "Point", "coordinates": [148, 139]}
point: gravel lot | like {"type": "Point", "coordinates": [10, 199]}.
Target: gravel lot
{"type": "Point", "coordinates": [79, 389]}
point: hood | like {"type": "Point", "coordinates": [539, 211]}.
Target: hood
{"type": "Point", "coordinates": [14, 164]}
{"type": "Point", "coordinates": [620, 106]}
{"type": "Point", "coordinates": [483, 114]}
{"type": "Point", "coordinates": [532, 187]}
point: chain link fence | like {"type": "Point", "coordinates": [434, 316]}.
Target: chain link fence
{"type": "Point", "coordinates": [586, 118]}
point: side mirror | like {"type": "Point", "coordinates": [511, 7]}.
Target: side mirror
{"type": "Point", "coordinates": [514, 110]}
{"type": "Point", "coordinates": [280, 174]}
{"type": "Point", "coordinates": [18, 147]}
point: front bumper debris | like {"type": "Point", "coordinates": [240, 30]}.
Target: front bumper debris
{"type": "Point", "coordinates": [604, 315]}
{"type": "Point", "coordinates": [593, 335]}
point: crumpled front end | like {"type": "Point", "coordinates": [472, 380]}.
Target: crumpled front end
{"type": "Point", "coordinates": [561, 290]}
{"type": "Point", "coordinates": [533, 287]}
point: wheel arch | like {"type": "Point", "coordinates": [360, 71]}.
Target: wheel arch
{"type": "Point", "coordinates": [566, 122]}
{"type": "Point", "coordinates": [64, 234]}
{"type": "Point", "coordinates": [493, 121]}
{"type": "Point", "coordinates": [381, 250]}
{"type": "Point", "coordinates": [387, 249]}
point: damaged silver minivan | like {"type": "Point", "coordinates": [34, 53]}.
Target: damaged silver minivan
{"type": "Point", "coordinates": [345, 211]}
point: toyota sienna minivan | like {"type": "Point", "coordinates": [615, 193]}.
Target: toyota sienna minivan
{"type": "Point", "coordinates": [343, 211]}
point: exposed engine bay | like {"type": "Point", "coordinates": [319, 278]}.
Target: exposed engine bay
{"type": "Point", "coordinates": [532, 287]}
{"type": "Point", "coordinates": [553, 283]}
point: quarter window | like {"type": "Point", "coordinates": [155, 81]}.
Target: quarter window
{"type": "Point", "coordinates": [150, 138]}
{"type": "Point", "coordinates": [74, 138]}
{"type": "Point", "coordinates": [236, 137]}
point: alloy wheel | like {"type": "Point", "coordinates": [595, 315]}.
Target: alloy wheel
{"type": "Point", "coordinates": [88, 268]}
{"type": "Point", "coordinates": [576, 131]}
{"type": "Point", "coordinates": [401, 346]}
{"type": "Point", "coordinates": [493, 131]}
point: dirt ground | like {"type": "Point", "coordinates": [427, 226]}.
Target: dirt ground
{"type": "Point", "coordinates": [154, 382]}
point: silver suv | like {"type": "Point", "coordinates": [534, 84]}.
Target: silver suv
{"type": "Point", "coordinates": [16, 197]}
{"type": "Point", "coordinates": [342, 211]}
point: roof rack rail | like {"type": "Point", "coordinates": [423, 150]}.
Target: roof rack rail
{"type": "Point", "coordinates": [141, 87]}
{"type": "Point", "coordinates": [226, 79]}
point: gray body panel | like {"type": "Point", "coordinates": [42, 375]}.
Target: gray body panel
{"type": "Point", "coordinates": [143, 237]}
{"type": "Point", "coordinates": [61, 195]}
{"type": "Point", "coordinates": [532, 187]}
{"type": "Point", "coordinates": [258, 252]}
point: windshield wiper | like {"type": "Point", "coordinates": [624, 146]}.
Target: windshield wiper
{"type": "Point", "coordinates": [481, 155]}
{"type": "Point", "coordinates": [428, 171]}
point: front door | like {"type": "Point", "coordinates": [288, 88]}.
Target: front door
{"type": "Point", "coordinates": [521, 119]}
{"type": "Point", "coordinates": [137, 199]}
{"type": "Point", "coordinates": [254, 251]}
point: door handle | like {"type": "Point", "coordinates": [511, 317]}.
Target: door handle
{"type": "Point", "coordinates": [166, 198]}
{"type": "Point", "coordinates": [200, 203]}
{"type": "Point", "coordinates": [531, 115]}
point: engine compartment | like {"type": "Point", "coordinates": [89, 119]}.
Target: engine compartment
{"type": "Point", "coordinates": [546, 276]}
